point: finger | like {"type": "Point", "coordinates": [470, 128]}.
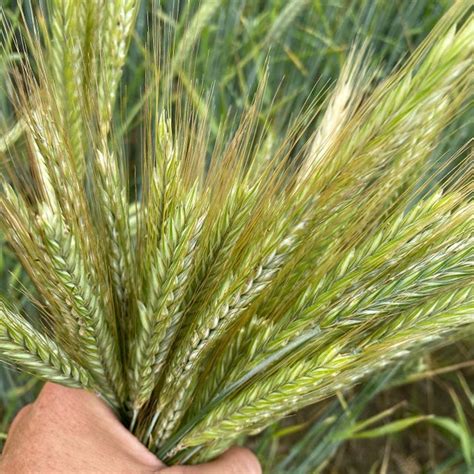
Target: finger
{"type": "Point", "coordinates": [16, 426]}
{"type": "Point", "coordinates": [64, 398]}
{"type": "Point", "coordinates": [89, 415]}
{"type": "Point", "coordinates": [20, 417]}
{"type": "Point", "coordinates": [56, 403]}
{"type": "Point", "coordinates": [234, 461]}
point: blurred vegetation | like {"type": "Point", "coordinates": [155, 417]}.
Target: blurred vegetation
{"type": "Point", "coordinates": [415, 418]}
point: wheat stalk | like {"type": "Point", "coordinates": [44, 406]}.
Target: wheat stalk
{"type": "Point", "coordinates": [244, 345]}
{"type": "Point", "coordinates": [210, 328]}
{"type": "Point", "coordinates": [177, 318]}
{"type": "Point", "coordinates": [21, 231]}
{"type": "Point", "coordinates": [66, 60]}
{"type": "Point", "coordinates": [221, 236]}
{"type": "Point", "coordinates": [163, 294]}
{"type": "Point", "coordinates": [408, 287]}
{"type": "Point", "coordinates": [293, 386]}
{"type": "Point", "coordinates": [112, 193]}
{"type": "Point", "coordinates": [164, 185]}
{"type": "Point", "coordinates": [23, 346]}
{"type": "Point", "coordinates": [200, 19]}
{"type": "Point", "coordinates": [97, 343]}
{"type": "Point", "coordinates": [118, 17]}
{"type": "Point", "coordinates": [426, 280]}
{"type": "Point", "coordinates": [8, 139]}
{"type": "Point", "coordinates": [285, 19]}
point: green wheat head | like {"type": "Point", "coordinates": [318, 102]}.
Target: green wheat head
{"type": "Point", "coordinates": [206, 288]}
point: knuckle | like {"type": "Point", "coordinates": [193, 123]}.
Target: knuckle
{"type": "Point", "coordinates": [20, 416]}
{"type": "Point", "coordinates": [251, 465]}
{"type": "Point", "coordinates": [247, 463]}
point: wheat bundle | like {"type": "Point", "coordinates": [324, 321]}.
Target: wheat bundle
{"type": "Point", "coordinates": [239, 279]}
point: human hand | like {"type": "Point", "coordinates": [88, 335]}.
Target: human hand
{"type": "Point", "coordinates": [72, 431]}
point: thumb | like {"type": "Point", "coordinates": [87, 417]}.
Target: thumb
{"type": "Point", "coordinates": [234, 461]}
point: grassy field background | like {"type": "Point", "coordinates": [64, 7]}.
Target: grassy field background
{"type": "Point", "coordinates": [413, 418]}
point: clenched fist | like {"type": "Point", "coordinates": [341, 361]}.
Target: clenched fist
{"type": "Point", "coordinates": [71, 431]}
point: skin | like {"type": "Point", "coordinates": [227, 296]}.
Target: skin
{"type": "Point", "coordinates": [72, 431]}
